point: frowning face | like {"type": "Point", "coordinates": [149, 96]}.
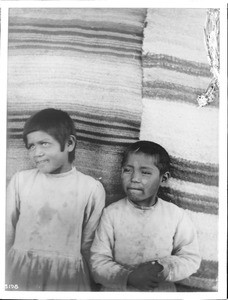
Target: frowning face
{"type": "Point", "coordinates": [141, 178]}
{"type": "Point", "coordinates": [45, 152]}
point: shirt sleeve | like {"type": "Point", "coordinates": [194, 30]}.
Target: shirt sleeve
{"type": "Point", "coordinates": [185, 259]}
{"type": "Point", "coordinates": [105, 270]}
{"type": "Point", "coordinates": [92, 216]}
{"type": "Point", "coordinates": [12, 210]}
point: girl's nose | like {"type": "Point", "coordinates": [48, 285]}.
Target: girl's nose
{"type": "Point", "coordinates": [136, 177]}
{"type": "Point", "coordinates": [38, 151]}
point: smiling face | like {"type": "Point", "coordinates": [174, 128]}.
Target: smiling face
{"type": "Point", "coordinates": [45, 152]}
{"type": "Point", "coordinates": [141, 178]}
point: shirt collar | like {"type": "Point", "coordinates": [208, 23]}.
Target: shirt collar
{"type": "Point", "coordinates": [143, 207]}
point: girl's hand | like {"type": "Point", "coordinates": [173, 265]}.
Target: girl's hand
{"type": "Point", "coordinates": [146, 276]}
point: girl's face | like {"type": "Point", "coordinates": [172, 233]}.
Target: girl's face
{"type": "Point", "coordinates": [141, 179]}
{"type": "Point", "coordinates": [45, 152]}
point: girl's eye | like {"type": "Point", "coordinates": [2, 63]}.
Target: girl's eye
{"type": "Point", "coordinates": [45, 144]}
{"type": "Point", "coordinates": [31, 147]}
{"type": "Point", "coordinates": [127, 170]}
{"type": "Point", "coordinates": [146, 173]}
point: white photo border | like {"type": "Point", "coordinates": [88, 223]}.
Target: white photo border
{"type": "Point", "coordinates": [222, 285]}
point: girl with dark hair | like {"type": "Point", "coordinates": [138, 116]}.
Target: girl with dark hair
{"type": "Point", "coordinates": [52, 211]}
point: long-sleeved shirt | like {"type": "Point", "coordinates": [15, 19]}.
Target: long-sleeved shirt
{"type": "Point", "coordinates": [129, 235]}
{"type": "Point", "coordinates": [51, 222]}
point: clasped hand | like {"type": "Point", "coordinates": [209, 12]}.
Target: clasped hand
{"type": "Point", "coordinates": [146, 276]}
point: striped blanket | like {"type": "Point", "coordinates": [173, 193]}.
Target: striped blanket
{"type": "Point", "coordinates": [122, 75]}
{"type": "Point", "coordinates": [88, 63]}
{"type": "Point", "coordinates": [175, 71]}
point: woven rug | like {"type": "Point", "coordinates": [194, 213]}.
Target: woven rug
{"type": "Point", "coordinates": [89, 63]}
{"type": "Point", "coordinates": [175, 71]}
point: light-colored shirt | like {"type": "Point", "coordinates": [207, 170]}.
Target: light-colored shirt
{"type": "Point", "coordinates": [51, 221]}
{"type": "Point", "coordinates": [128, 236]}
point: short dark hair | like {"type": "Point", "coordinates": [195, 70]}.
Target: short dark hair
{"type": "Point", "coordinates": [55, 122]}
{"type": "Point", "coordinates": [152, 149]}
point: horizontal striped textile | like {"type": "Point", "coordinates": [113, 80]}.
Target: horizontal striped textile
{"type": "Point", "coordinates": [123, 74]}
{"type": "Point", "coordinates": [88, 63]}
{"type": "Point", "coordinates": [176, 71]}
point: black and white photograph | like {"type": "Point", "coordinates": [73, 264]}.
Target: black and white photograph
{"type": "Point", "coordinates": [114, 120]}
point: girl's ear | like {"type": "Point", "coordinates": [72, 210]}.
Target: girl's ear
{"type": "Point", "coordinates": [71, 144]}
{"type": "Point", "coordinates": [165, 177]}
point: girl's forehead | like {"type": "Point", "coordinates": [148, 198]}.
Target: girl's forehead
{"type": "Point", "coordinates": [38, 135]}
{"type": "Point", "coordinates": [141, 157]}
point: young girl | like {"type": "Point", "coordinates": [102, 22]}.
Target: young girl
{"type": "Point", "coordinates": [143, 242]}
{"type": "Point", "coordinates": [52, 211]}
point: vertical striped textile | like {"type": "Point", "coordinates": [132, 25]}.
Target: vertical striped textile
{"type": "Point", "coordinates": [175, 71]}
{"type": "Point", "coordinates": [88, 63]}
{"type": "Point", "coordinates": [123, 74]}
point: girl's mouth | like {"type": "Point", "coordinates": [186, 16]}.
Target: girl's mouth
{"type": "Point", "coordinates": [134, 190]}
{"type": "Point", "coordinates": [41, 162]}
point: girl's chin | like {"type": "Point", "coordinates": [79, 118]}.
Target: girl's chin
{"type": "Point", "coordinates": [133, 193]}
{"type": "Point", "coordinates": [45, 170]}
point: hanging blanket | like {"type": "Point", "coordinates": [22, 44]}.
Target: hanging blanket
{"type": "Point", "coordinates": [175, 71]}
{"type": "Point", "coordinates": [88, 62]}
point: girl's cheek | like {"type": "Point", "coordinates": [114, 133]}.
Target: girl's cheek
{"type": "Point", "coordinates": [125, 180]}
{"type": "Point", "coordinates": [144, 181]}
{"type": "Point", "coordinates": [30, 155]}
